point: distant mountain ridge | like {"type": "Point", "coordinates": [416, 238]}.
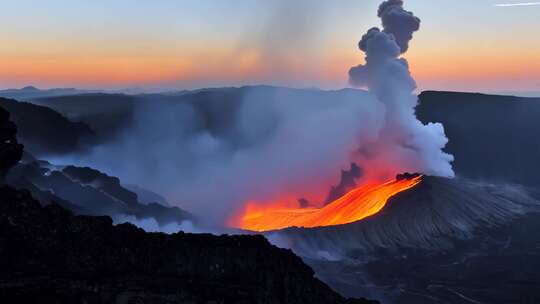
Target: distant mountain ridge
{"type": "Point", "coordinates": [31, 92]}
{"type": "Point", "coordinates": [47, 132]}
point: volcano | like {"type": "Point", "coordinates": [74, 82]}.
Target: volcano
{"type": "Point", "coordinates": [436, 242]}
{"type": "Point", "coordinates": [426, 215]}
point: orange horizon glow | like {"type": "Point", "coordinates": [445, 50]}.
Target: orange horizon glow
{"type": "Point", "coordinates": [360, 203]}
{"type": "Point", "coordinates": [454, 70]}
{"type": "Point", "coordinates": [461, 46]}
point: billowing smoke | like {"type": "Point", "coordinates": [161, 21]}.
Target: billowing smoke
{"type": "Point", "coordinates": [398, 22]}
{"type": "Point", "coordinates": [404, 141]}
{"type": "Point", "coordinates": [216, 150]}
{"type": "Point", "coordinates": [227, 147]}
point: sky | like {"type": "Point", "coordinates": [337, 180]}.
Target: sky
{"type": "Point", "coordinates": [463, 45]}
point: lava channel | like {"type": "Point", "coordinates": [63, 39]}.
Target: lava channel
{"type": "Point", "coordinates": [365, 200]}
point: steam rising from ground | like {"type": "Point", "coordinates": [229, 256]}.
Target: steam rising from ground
{"type": "Point", "coordinates": [404, 139]}
{"type": "Point", "coordinates": [151, 225]}
{"type": "Point", "coordinates": [267, 144]}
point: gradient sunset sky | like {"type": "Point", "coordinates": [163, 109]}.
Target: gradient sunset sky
{"type": "Point", "coordinates": [463, 45]}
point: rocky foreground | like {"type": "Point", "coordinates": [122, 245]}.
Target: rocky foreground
{"type": "Point", "coordinates": [50, 255]}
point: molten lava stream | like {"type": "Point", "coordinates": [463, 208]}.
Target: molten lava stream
{"type": "Point", "coordinates": [358, 204]}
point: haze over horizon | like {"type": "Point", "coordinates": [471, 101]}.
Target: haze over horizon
{"type": "Point", "coordinates": [165, 44]}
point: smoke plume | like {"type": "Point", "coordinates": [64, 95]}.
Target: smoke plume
{"type": "Point", "coordinates": [404, 140]}
{"type": "Point", "coordinates": [398, 22]}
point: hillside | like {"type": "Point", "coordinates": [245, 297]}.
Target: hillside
{"type": "Point", "coordinates": [106, 114]}
{"type": "Point", "coordinates": [46, 132]}
{"type": "Point", "coordinates": [49, 255]}
{"type": "Point", "coordinates": [491, 137]}
{"type": "Point", "coordinates": [435, 243]}
{"type": "Point", "coordinates": [88, 191]}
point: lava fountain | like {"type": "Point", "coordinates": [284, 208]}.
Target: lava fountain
{"type": "Point", "coordinates": [365, 200]}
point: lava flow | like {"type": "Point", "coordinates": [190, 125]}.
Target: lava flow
{"type": "Point", "coordinates": [366, 200]}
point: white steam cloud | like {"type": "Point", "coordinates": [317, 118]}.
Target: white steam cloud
{"type": "Point", "coordinates": [259, 145]}
{"type": "Point", "coordinates": [404, 140]}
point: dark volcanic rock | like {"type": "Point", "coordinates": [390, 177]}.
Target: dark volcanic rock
{"type": "Point", "coordinates": [346, 184]}
{"type": "Point", "coordinates": [44, 131]}
{"type": "Point", "coordinates": [442, 241]}
{"type": "Point", "coordinates": [10, 150]}
{"type": "Point", "coordinates": [407, 176]}
{"type": "Point", "coordinates": [27, 157]}
{"type": "Point", "coordinates": [492, 137]}
{"type": "Point", "coordinates": [108, 184]}
{"type": "Point", "coordinates": [428, 216]}
{"type": "Point", "coordinates": [89, 200]}
{"type": "Point", "coordinates": [82, 190]}
{"type": "Point", "coordinates": [108, 115]}
{"type": "Point", "coordinates": [48, 255]}
{"type": "Point", "coordinates": [146, 196]}
{"type": "Point", "coordinates": [87, 191]}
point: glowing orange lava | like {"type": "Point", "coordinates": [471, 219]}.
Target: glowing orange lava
{"type": "Point", "coordinates": [358, 204]}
